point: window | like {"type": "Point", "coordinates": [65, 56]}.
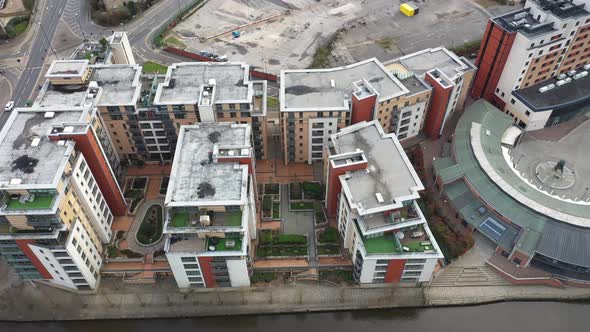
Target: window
{"type": "Point", "coordinates": [188, 259]}
{"type": "Point", "coordinates": [512, 101]}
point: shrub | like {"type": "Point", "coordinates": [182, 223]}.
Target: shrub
{"type": "Point", "coordinates": [264, 276]}
{"type": "Point", "coordinates": [312, 190]}
{"type": "Point", "coordinates": [329, 235]}
{"type": "Point", "coordinates": [265, 236]}
{"type": "Point", "coordinates": [290, 239]}
{"type": "Point", "coordinates": [29, 4]}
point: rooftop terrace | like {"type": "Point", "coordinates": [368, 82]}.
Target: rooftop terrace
{"type": "Point", "coordinates": [389, 173]}
{"type": "Point", "coordinates": [423, 61]}
{"type": "Point", "coordinates": [184, 80]}
{"type": "Point", "coordinates": [331, 89]}
{"type": "Point", "coordinates": [120, 84]}
{"type": "Point", "coordinates": [197, 178]}
{"type": "Point", "coordinates": [27, 157]}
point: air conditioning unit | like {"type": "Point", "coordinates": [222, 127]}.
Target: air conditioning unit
{"type": "Point", "coordinates": [205, 220]}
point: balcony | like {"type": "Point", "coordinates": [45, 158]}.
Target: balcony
{"type": "Point", "coordinates": [224, 244]}
{"type": "Point", "coordinates": [390, 219]}
{"type": "Point", "coordinates": [28, 203]}
{"type": "Point", "coordinates": [192, 219]}
{"type": "Point", "coordinates": [409, 240]}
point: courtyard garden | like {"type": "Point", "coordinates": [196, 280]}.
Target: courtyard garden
{"type": "Point", "coordinates": [273, 244]}
{"type": "Point", "coordinates": [270, 194]}
{"type": "Point", "coordinates": [304, 196]}
{"type": "Point", "coordinates": [150, 230]}
{"type": "Point", "coordinates": [328, 242]}
{"type": "Point", "coordinates": [135, 191]}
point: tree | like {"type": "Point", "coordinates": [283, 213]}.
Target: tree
{"type": "Point", "coordinates": [132, 8]}
{"type": "Point", "coordinates": [103, 42]}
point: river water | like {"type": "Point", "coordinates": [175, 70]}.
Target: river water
{"type": "Point", "coordinates": [514, 316]}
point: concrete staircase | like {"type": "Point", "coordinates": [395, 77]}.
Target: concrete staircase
{"type": "Point", "coordinates": [456, 276]}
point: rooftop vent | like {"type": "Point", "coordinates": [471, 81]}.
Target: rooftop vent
{"type": "Point", "coordinates": [245, 152]}
{"type": "Point", "coordinates": [69, 129]}
{"type": "Point", "coordinates": [49, 115]}
{"type": "Point", "coordinates": [379, 198]}
{"type": "Point", "coordinates": [61, 143]}
{"type": "Point", "coordinates": [546, 88]}
{"type": "Point", "coordinates": [16, 181]}
{"type": "Point", "coordinates": [332, 83]}
{"type": "Point", "coordinates": [231, 152]}
{"type": "Point", "coordinates": [35, 142]}
{"type": "Point", "coordinates": [580, 75]}
{"type": "Point", "coordinates": [488, 133]}
{"type": "Point", "coordinates": [212, 81]}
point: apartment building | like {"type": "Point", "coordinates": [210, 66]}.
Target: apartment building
{"type": "Point", "coordinates": [439, 81]}
{"type": "Point", "coordinates": [143, 113]}
{"type": "Point", "coordinates": [210, 209]}
{"type": "Point", "coordinates": [408, 95]}
{"type": "Point", "coordinates": [57, 207]}
{"type": "Point", "coordinates": [529, 47]}
{"type": "Point", "coordinates": [372, 190]}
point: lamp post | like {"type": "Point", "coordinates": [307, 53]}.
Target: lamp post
{"type": "Point", "coordinates": [47, 38]}
{"type": "Point", "coordinates": [80, 25]}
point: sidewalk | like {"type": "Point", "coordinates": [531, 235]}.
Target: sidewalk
{"type": "Point", "coordinates": [116, 300]}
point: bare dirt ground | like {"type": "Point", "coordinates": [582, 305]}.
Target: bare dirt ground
{"type": "Point", "coordinates": [284, 34]}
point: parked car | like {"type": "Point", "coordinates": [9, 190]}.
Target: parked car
{"type": "Point", "coordinates": [9, 106]}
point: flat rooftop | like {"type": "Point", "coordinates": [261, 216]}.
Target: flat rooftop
{"type": "Point", "coordinates": [522, 21]}
{"type": "Point", "coordinates": [40, 165]}
{"type": "Point", "coordinates": [389, 170]}
{"type": "Point", "coordinates": [423, 61]}
{"type": "Point", "coordinates": [196, 179]}
{"type": "Point", "coordinates": [331, 89]}
{"type": "Point", "coordinates": [67, 68]}
{"type": "Point", "coordinates": [63, 97]}
{"type": "Point", "coordinates": [562, 8]}
{"type": "Point", "coordinates": [184, 80]}
{"type": "Point", "coordinates": [576, 92]}
{"type": "Point", "coordinates": [120, 84]}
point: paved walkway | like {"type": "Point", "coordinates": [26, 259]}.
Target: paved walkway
{"type": "Point", "coordinates": [118, 300]}
{"type": "Point", "coordinates": [131, 238]}
{"type": "Point", "coordinates": [298, 223]}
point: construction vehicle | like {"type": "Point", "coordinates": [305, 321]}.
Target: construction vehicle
{"type": "Point", "coordinates": [409, 9]}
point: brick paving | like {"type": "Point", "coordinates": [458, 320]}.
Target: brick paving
{"type": "Point", "coordinates": [274, 171]}
{"type": "Point", "coordinates": [149, 170]}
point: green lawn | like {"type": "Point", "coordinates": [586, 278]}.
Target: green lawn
{"type": "Point", "coordinates": [21, 27]}
{"type": "Point", "coordinates": [180, 219]}
{"type": "Point", "coordinates": [329, 249]}
{"type": "Point", "coordinates": [40, 202]}
{"type": "Point", "coordinates": [150, 67]}
{"type": "Point", "coordinates": [415, 246]}
{"type": "Point", "coordinates": [221, 245]}
{"type": "Point", "coordinates": [329, 235]}
{"type": "Point", "coordinates": [174, 42]}
{"type": "Point", "coordinates": [150, 229]}
{"type": "Point", "coordinates": [381, 245]}
{"type": "Point", "coordinates": [302, 206]}
{"type": "Point", "coordinates": [272, 102]}
{"type": "Point", "coordinates": [234, 218]}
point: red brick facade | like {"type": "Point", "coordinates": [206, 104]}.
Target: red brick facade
{"type": "Point", "coordinates": [334, 186]}
{"type": "Point", "coordinates": [395, 268]}
{"type": "Point", "coordinates": [24, 247]}
{"type": "Point", "coordinates": [438, 107]}
{"type": "Point", "coordinates": [207, 272]}
{"type": "Point", "coordinates": [493, 53]}
{"type": "Point", "coordinates": [362, 110]}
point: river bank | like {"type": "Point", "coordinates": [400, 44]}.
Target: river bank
{"type": "Point", "coordinates": [28, 302]}
{"type": "Point", "coordinates": [505, 317]}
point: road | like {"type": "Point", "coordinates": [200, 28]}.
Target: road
{"type": "Point", "coordinates": [76, 15]}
